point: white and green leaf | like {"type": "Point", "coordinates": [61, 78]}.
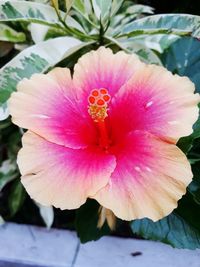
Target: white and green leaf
{"type": "Point", "coordinates": [140, 9]}
{"type": "Point", "coordinates": [35, 59]}
{"type": "Point", "coordinates": [84, 8]}
{"type": "Point", "coordinates": [102, 8]}
{"type": "Point", "coordinates": [157, 42]}
{"type": "Point", "coordinates": [28, 12]}
{"type": "Point", "coordinates": [25, 11]}
{"type": "Point", "coordinates": [116, 4]}
{"type": "Point", "coordinates": [146, 54]}
{"type": "Point", "coordinates": [68, 4]}
{"type": "Point", "coordinates": [180, 24]}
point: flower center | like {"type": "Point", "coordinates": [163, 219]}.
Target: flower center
{"type": "Point", "coordinates": [98, 106]}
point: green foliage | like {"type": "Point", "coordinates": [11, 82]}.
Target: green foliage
{"type": "Point", "coordinates": [9, 35]}
{"type": "Point", "coordinates": [16, 197]}
{"type": "Point", "coordinates": [183, 57]}
{"type": "Point", "coordinates": [7, 173]}
{"type": "Point", "coordinates": [180, 24]}
{"type": "Point", "coordinates": [86, 222]}
{"type": "Point", "coordinates": [28, 12]}
{"type": "Point", "coordinates": [181, 229]}
{"type": "Point", "coordinates": [60, 37]}
{"type": "Point", "coordinates": [171, 230]}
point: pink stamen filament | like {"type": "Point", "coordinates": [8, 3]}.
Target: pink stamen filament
{"type": "Point", "coordinates": [98, 105]}
{"type": "Point", "coordinates": [104, 140]}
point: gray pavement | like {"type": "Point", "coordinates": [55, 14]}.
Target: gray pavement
{"type": "Point", "coordinates": [30, 246]}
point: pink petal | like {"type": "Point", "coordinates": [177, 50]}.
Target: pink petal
{"type": "Point", "coordinates": [60, 176]}
{"type": "Point", "coordinates": [103, 69]}
{"type": "Point", "coordinates": [46, 105]}
{"type": "Point", "coordinates": [150, 177]}
{"type": "Point", "coordinates": [156, 101]}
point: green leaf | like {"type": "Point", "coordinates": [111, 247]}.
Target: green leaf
{"type": "Point", "coordinates": [186, 143]}
{"type": "Point", "coordinates": [102, 9]}
{"type": "Point", "coordinates": [180, 24]}
{"type": "Point", "coordinates": [4, 96]}
{"type": "Point", "coordinates": [183, 58]}
{"type": "Point", "coordinates": [7, 173]}
{"type": "Point", "coordinates": [194, 187]}
{"type": "Point", "coordinates": [172, 230]}
{"type": "Point", "coordinates": [36, 59]}
{"type": "Point", "coordinates": [116, 4]}
{"type": "Point", "coordinates": [47, 214]}
{"type": "Point", "coordinates": [84, 8]}
{"type": "Point", "coordinates": [9, 35]}
{"type": "Point", "coordinates": [181, 229]}
{"type": "Point", "coordinates": [16, 197]}
{"type": "Point", "coordinates": [86, 222]}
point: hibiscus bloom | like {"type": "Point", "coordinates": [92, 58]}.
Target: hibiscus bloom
{"type": "Point", "coordinates": [109, 133]}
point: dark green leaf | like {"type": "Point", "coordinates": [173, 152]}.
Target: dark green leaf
{"type": "Point", "coordinates": [181, 229]}
{"type": "Point", "coordinates": [194, 187]}
{"type": "Point", "coordinates": [183, 57]}
{"type": "Point", "coordinates": [16, 197]}
{"type": "Point", "coordinates": [86, 222]}
{"type": "Point", "coordinates": [171, 230]}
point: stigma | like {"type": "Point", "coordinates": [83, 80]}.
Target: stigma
{"type": "Point", "coordinates": [98, 104]}
{"type": "Point", "coordinates": [98, 109]}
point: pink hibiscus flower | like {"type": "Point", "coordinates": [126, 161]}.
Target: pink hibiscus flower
{"type": "Point", "coordinates": [109, 134]}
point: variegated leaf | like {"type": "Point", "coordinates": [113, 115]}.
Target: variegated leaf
{"type": "Point", "coordinates": [36, 12]}
{"type": "Point", "coordinates": [180, 24]}
{"type": "Point", "coordinates": [157, 42]}
{"type": "Point", "coordinates": [29, 12]}
{"type": "Point", "coordinates": [140, 9]}
{"type": "Point", "coordinates": [36, 59]}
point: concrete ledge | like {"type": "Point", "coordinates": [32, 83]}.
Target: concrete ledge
{"type": "Point", "coordinates": [30, 246]}
{"type": "Point", "coordinates": [36, 246]}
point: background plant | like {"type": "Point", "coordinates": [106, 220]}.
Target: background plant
{"type": "Point", "coordinates": [37, 35]}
